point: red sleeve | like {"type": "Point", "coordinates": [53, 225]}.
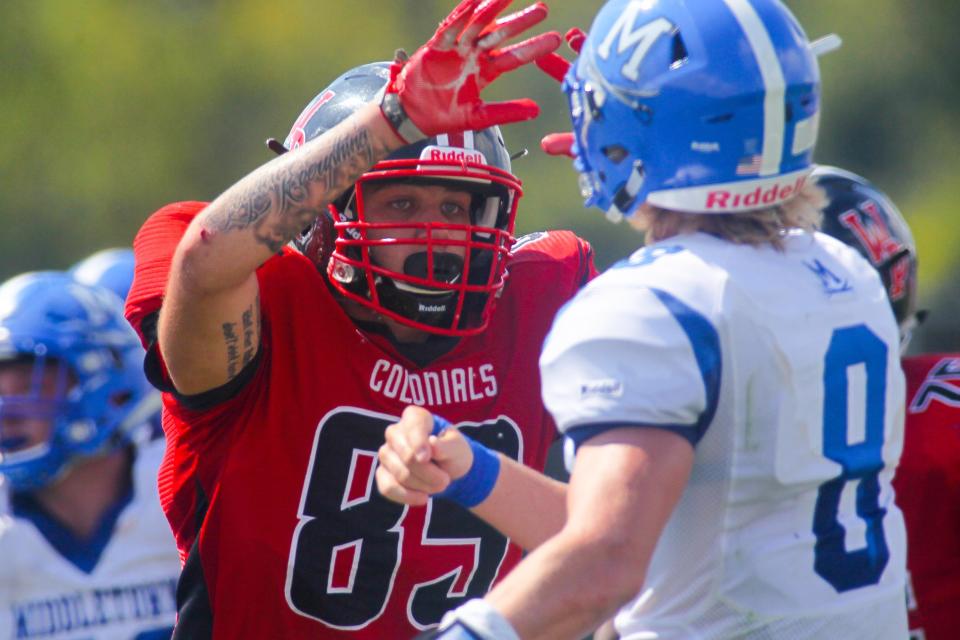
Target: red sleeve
{"type": "Point", "coordinates": [153, 249]}
{"type": "Point", "coordinates": [587, 267]}
{"type": "Point", "coordinates": [927, 484]}
{"type": "Point", "coordinates": [590, 268]}
{"type": "Point", "coordinates": [558, 246]}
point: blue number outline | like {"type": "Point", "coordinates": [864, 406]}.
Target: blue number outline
{"type": "Point", "coordinates": [861, 462]}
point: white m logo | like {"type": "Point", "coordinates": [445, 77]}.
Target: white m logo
{"type": "Point", "coordinates": [642, 38]}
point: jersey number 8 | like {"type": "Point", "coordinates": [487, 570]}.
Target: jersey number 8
{"type": "Point", "coordinates": [861, 462]}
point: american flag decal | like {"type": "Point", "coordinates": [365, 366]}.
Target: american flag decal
{"type": "Point", "coordinates": [749, 165]}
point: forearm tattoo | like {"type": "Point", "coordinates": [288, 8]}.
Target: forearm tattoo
{"type": "Point", "coordinates": [278, 204]}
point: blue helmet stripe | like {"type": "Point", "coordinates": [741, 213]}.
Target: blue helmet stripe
{"type": "Point", "coordinates": [774, 83]}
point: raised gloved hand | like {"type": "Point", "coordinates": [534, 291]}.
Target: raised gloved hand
{"type": "Point", "coordinates": [437, 89]}
{"type": "Point", "coordinates": [556, 66]}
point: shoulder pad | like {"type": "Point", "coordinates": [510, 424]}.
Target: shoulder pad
{"type": "Point", "coordinates": [562, 248]}
{"type": "Point", "coordinates": [153, 249]}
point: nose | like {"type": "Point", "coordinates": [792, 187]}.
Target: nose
{"type": "Point", "coordinates": [11, 425]}
{"type": "Point", "coordinates": [440, 231]}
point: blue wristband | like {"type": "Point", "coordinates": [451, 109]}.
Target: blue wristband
{"type": "Point", "coordinates": [475, 485]}
{"type": "Point", "coordinates": [440, 424]}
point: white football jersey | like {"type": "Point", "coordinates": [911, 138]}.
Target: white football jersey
{"type": "Point", "coordinates": [129, 592]}
{"type": "Point", "coordinates": [783, 369]}
{"type": "Point", "coordinates": [3, 495]}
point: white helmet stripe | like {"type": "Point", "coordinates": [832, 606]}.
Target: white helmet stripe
{"type": "Point", "coordinates": [773, 82]}
{"type": "Point", "coordinates": [443, 140]}
{"type": "Point", "coordinates": [468, 142]}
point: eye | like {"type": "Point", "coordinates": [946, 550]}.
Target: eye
{"type": "Point", "coordinates": [453, 209]}
{"type": "Point", "coordinates": [400, 204]}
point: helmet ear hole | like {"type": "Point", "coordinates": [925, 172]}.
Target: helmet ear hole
{"type": "Point", "coordinates": [720, 119]}
{"type": "Point", "coordinates": [121, 398]}
{"type": "Point", "coordinates": [345, 203]}
{"type": "Point", "coordinates": [680, 54]}
{"type": "Point", "coordinates": [615, 153]}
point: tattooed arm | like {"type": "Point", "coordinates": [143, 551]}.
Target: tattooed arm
{"type": "Point", "coordinates": [210, 321]}
{"type": "Point", "coordinates": [213, 286]}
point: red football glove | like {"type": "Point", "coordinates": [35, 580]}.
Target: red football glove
{"type": "Point", "coordinates": [556, 66]}
{"type": "Point", "coordinates": [558, 144]}
{"type": "Point", "coordinates": [439, 86]}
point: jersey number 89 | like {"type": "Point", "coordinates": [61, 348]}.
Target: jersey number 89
{"type": "Point", "coordinates": [348, 559]}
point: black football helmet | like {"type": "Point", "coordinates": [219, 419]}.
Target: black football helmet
{"type": "Point", "coordinates": [438, 291]}
{"type": "Point", "coordinates": [862, 216]}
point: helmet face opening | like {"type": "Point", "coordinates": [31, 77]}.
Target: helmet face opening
{"type": "Point", "coordinates": [33, 392]}
{"type": "Point", "coordinates": [453, 270]}
{"type": "Point", "coordinates": [71, 368]}
{"type": "Point", "coordinates": [446, 271]}
{"type": "Point", "coordinates": [611, 171]}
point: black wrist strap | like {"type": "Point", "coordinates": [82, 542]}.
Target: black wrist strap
{"type": "Point", "coordinates": [398, 119]}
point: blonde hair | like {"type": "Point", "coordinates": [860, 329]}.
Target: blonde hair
{"type": "Point", "coordinates": [755, 228]}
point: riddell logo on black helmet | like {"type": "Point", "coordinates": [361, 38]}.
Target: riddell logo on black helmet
{"type": "Point", "coordinates": [452, 154]}
{"type": "Point", "coordinates": [432, 308]}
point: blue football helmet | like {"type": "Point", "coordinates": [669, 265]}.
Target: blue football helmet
{"type": "Point", "coordinates": [701, 106]}
{"type": "Point", "coordinates": [109, 268]}
{"type": "Point", "coordinates": [102, 399]}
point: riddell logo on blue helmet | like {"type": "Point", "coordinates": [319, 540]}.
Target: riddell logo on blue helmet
{"type": "Point", "coordinates": [732, 200]}
{"type": "Point", "coordinates": [732, 197]}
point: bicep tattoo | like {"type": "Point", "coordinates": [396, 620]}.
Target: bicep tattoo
{"type": "Point", "coordinates": [242, 340]}
{"type": "Point", "coordinates": [233, 348]}
{"type": "Point", "coordinates": [251, 332]}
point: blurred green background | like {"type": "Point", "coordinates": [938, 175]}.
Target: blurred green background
{"type": "Point", "coordinates": [112, 108]}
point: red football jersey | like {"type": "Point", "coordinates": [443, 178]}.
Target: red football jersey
{"type": "Point", "coordinates": [928, 492]}
{"type": "Point", "coordinates": [271, 493]}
